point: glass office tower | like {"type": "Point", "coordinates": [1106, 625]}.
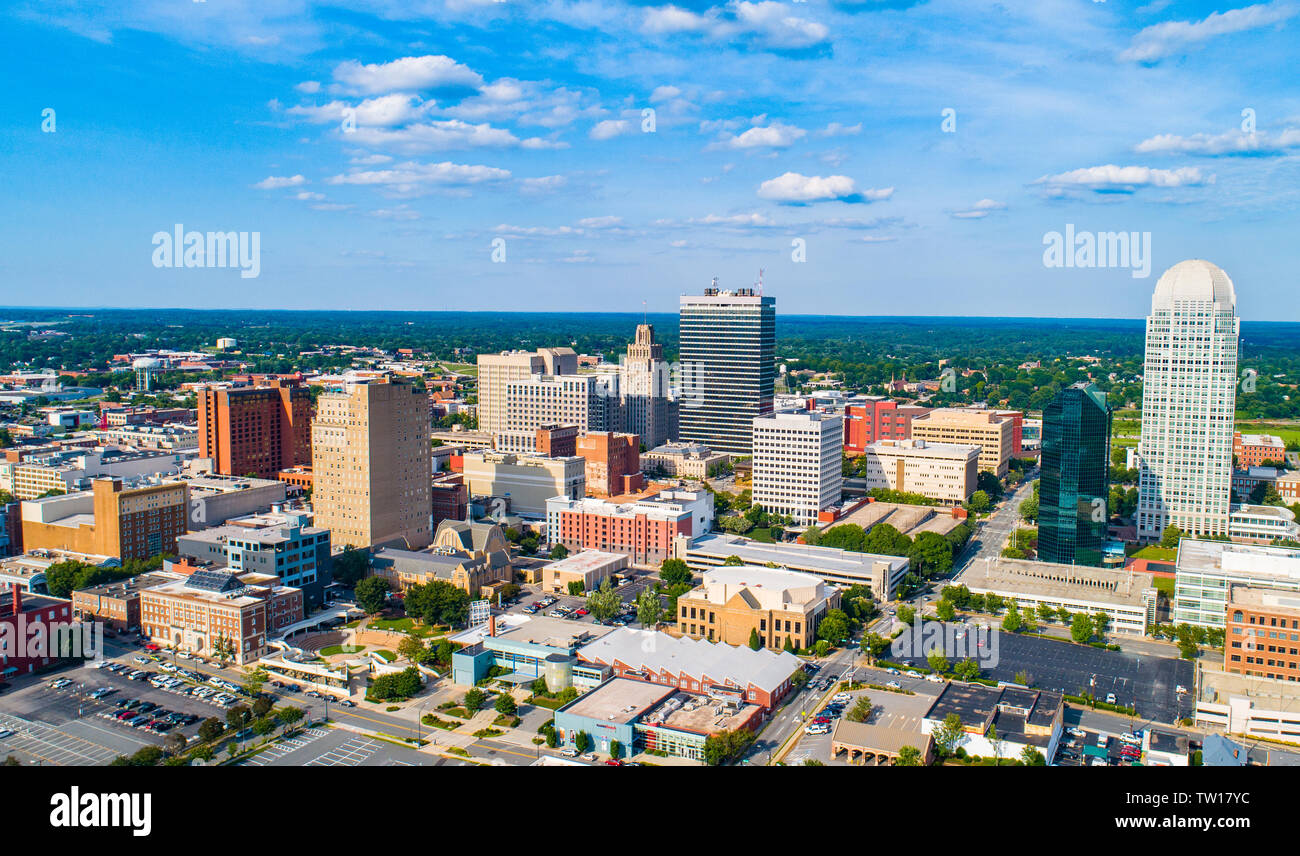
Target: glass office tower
{"type": "Point", "coordinates": [728, 367]}
{"type": "Point", "coordinates": [1074, 486]}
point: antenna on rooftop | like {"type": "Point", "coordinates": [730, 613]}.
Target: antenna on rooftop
{"type": "Point", "coordinates": [759, 284]}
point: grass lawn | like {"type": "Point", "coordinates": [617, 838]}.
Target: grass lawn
{"type": "Point", "coordinates": [489, 732]}
{"type": "Point", "coordinates": [1158, 554]}
{"type": "Point", "coordinates": [393, 625]}
{"type": "Point", "coordinates": [1288, 432]}
{"type": "Point", "coordinates": [1130, 422]}
{"type": "Point", "coordinates": [548, 703]}
{"type": "Point", "coordinates": [387, 655]}
{"type": "Point", "coordinates": [506, 721]}
{"type": "Point", "coordinates": [1166, 585]}
{"type": "Point", "coordinates": [341, 649]}
{"type": "Point", "coordinates": [445, 725]}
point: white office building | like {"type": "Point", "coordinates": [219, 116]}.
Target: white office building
{"type": "Point", "coordinates": [1207, 571]}
{"type": "Point", "coordinates": [797, 463]}
{"type": "Point", "coordinates": [1188, 402]}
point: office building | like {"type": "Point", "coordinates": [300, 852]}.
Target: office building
{"type": "Point", "coordinates": [586, 401]}
{"type": "Point", "coordinates": [557, 441]}
{"type": "Point", "coordinates": [524, 483]}
{"type": "Point", "coordinates": [528, 648]}
{"type": "Point", "coordinates": [1262, 635]}
{"type": "Point", "coordinates": [1189, 395]}
{"type": "Point", "coordinates": [111, 519]}
{"type": "Point", "coordinates": [870, 419]}
{"type": "Point", "coordinates": [1075, 485]}
{"type": "Point", "coordinates": [495, 371]}
{"type": "Point", "coordinates": [941, 471]}
{"type": "Point", "coordinates": [68, 470]}
{"type": "Point", "coordinates": [1253, 450]}
{"type": "Point", "coordinates": [371, 464]}
{"type": "Point", "coordinates": [613, 463]}
{"type": "Point", "coordinates": [645, 390]}
{"type": "Point", "coordinates": [798, 467]}
{"type": "Point", "coordinates": [219, 614]}
{"type": "Point", "coordinates": [684, 461]}
{"type": "Point", "coordinates": [984, 428]}
{"type": "Point", "coordinates": [115, 603]}
{"type": "Point", "coordinates": [282, 544]}
{"type": "Point", "coordinates": [728, 367]}
{"type": "Point", "coordinates": [255, 431]}
{"type": "Point", "coordinates": [783, 607]}
{"type": "Point", "coordinates": [214, 499]}
{"type": "Point", "coordinates": [644, 529]}
{"type": "Point", "coordinates": [1207, 571]}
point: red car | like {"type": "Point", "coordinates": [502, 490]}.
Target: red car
{"type": "Point", "coordinates": [613, 762]}
{"type": "Point", "coordinates": [581, 612]}
{"type": "Point", "coordinates": [1130, 752]}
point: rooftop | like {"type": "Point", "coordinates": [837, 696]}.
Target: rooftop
{"type": "Point", "coordinates": [699, 714]}
{"type": "Point", "coordinates": [587, 560]}
{"type": "Point", "coordinates": [552, 632]}
{"type": "Point", "coordinates": [1049, 580]}
{"type": "Point", "coordinates": [1246, 560]}
{"type": "Point", "coordinates": [1011, 710]}
{"type": "Point", "coordinates": [652, 651]}
{"type": "Point", "coordinates": [801, 556]}
{"type": "Point", "coordinates": [619, 700]}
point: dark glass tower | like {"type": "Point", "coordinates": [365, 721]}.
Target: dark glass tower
{"type": "Point", "coordinates": [728, 367]}
{"type": "Point", "coordinates": [1075, 482]}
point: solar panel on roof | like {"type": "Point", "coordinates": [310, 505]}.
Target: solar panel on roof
{"type": "Point", "coordinates": [214, 581]}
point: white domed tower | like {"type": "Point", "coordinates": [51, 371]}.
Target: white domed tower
{"type": "Point", "coordinates": [145, 369]}
{"type": "Point", "coordinates": [1189, 396]}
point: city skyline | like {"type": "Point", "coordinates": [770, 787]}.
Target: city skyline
{"type": "Point", "coordinates": [393, 150]}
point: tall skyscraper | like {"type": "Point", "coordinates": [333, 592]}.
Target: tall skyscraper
{"type": "Point", "coordinates": [255, 430]}
{"type": "Point", "coordinates": [728, 354]}
{"type": "Point", "coordinates": [1189, 396]}
{"type": "Point", "coordinates": [1075, 484]}
{"type": "Point", "coordinates": [649, 407]}
{"type": "Point", "coordinates": [372, 464]}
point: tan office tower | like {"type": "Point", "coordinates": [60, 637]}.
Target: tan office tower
{"type": "Point", "coordinates": [371, 462]}
{"type": "Point", "coordinates": [649, 410]}
{"type": "Point", "coordinates": [497, 370]}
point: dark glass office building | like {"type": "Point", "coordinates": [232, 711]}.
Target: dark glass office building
{"type": "Point", "coordinates": [727, 367]}
{"type": "Point", "coordinates": [1075, 481]}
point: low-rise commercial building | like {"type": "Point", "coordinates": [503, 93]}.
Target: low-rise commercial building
{"type": "Point", "coordinates": [684, 461]}
{"type": "Point", "coordinates": [21, 653]}
{"type": "Point", "coordinates": [405, 568]}
{"type": "Point", "coordinates": [1247, 705]}
{"type": "Point", "coordinates": [530, 648]}
{"type": "Point", "coordinates": [116, 603]}
{"type": "Point", "coordinates": [1019, 717]}
{"type": "Point", "coordinates": [1262, 524]}
{"type": "Point", "coordinates": [1127, 596]}
{"type": "Point", "coordinates": [1252, 450]}
{"type": "Point", "coordinates": [941, 471]}
{"type": "Point", "coordinates": [733, 603]}
{"type": "Point", "coordinates": [587, 570]}
{"type": "Point", "coordinates": [840, 567]}
{"type": "Point", "coordinates": [214, 499]}
{"type": "Point", "coordinates": [282, 544]}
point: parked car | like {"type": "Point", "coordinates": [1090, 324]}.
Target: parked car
{"type": "Point", "coordinates": [933, 678]}
{"type": "Point", "coordinates": [569, 752]}
{"type": "Point", "coordinates": [1075, 732]}
{"type": "Point", "coordinates": [1110, 698]}
{"type": "Point", "coordinates": [894, 685]}
{"type": "Point", "coordinates": [347, 702]}
{"type": "Point", "coordinates": [5, 734]}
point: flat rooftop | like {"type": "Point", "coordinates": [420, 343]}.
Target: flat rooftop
{"type": "Point", "coordinates": [699, 714]}
{"type": "Point", "coordinates": [553, 632]}
{"type": "Point", "coordinates": [797, 556]}
{"type": "Point", "coordinates": [1011, 710]}
{"type": "Point", "coordinates": [620, 700]}
{"type": "Point", "coordinates": [1118, 586]}
{"type": "Point", "coordinates": [587, 560]}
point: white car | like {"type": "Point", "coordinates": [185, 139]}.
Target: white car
{"type": "Point", "coordinates": [933, 678]}
{"type": "Point", "coordinates": [569, 752]}
{"type": "Point", "coordinates": [841, 696]}
{"type": "Point", "coordinates": [1180, 689]}
{"type": "Point", "coordinates": [1110, 698]}
{"type": "Point", "coordinates": [168, 667]}
{"type": "Point", "coordinates": [1075, 732]}
{"type": "Point", "coordinates": [894, 685]}
{"type": "Point", "coordinates": [816, 729]}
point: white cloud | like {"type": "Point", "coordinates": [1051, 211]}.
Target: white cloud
{"type": "Point", "coordinates": [1229, 143]}
{"type": "Point", "coordinates": [664, 93]}
{"type": "Point", "coordinates": [543, 184]}
{"type": "Point", "coordinates": [768, 22]}
{"type": "Point", "coordinates": [276, 182]}
{"type": "Point", "coordinates": [385, 111]}
{"type": "Point", "coordinates": [1125, 178]}
{"type": "Point", "coordinates": [308, 196]}
{"type": "Point", "coordinates": [835, 129]}
{"type": "Point", "coordinates": [397, 212]}
{"type": "Point", "coordinates": [1171, 37]}
{"type": "Point", "coordinates": [308, 87]}
{"type": "Point", "coordinates": [371, 160]}
{"type": "Point", "coordinates": [610, 128]}
{"type": "Point", "coordinates": [792, 188]}
{"type": "Point", "coordinates": [980, 209]}
{"type": "Point", "coordinates": [443, 135]}
{"type": "Point", "coordinates": [411, 176]}
{"type": "Point", "coordinates": [406, 74]}
{"type": "Point", "coordinates": [667, 20]}
{"type": "Point", "coordinates": [607, 222]}
{"type": "Point", "coordinates": [775, 135]}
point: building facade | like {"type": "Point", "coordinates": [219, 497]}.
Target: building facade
{"type": "Point", "coordinates": [782, 607]}
{"type": "Point", "coordinates": [1253, 450]}
{"type": "Point", "coordinates": [528, 482]}
{"type": "Point", "coordinates": [942, 471]}
{"type": "Point", "coordinates": [1189, 394]}
{"type": "Point", "coordinates": [645, 389]}
{"type": "Point", "coordinates": [728, 373]}
{"type": "Point", "coordinates": [1262, 634]}
{"type": "Point", "coordinates": [613, 462]}
{"type": "Point", "coordinates": [984, 428]}
{"type": "Point", "coordinates": [797, 463]}
{"type": "Point", "coordinates": [109, 520]}
{"type": "Point", "coordinates": [255, 431]}
{"type": "Point", "coordinates": [1074, 488]}
{"type": "Point", "coordinates": [870, 419]}
{"type": "Point", "coordinates": [371, 464]}
{"type": "Point", "coordinates": [644, 529]}
{"type": "Point", "coordinates": [497, 370]}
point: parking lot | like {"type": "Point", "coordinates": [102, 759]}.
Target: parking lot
{"type": "Point", "coordinates": [1080, 750]}
{"type": "Point", "coordinates": [338, 747]}
{"type": "Point", "coordinates": [1144, 682]}
{"type": "Point", "coordinates": [890, 709]}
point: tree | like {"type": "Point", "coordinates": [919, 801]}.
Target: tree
{"type": "Point", "coordinates": [254, 680]}
{"type": "Point", "coordinates": [938, 663]}
{"type": "Point", "coordinates": [1012, 622]}
{"type": "Point", "coordinates": [506, 705]}
{"type": "Point", "coordinates": [575, 588]}
{"type": "Point", "coordinates": [604, 603]}
{"type": "Point", "coordinates": [582, 742]}
{"type": "Point", "coordinates": [1081, 627]}
{"type": "Point", "coordinates": [223, 649]}
{"type": "Point", "coordinates": [999, 745]}
{"type": "Point", "coordinates": [930, 554]}
{"type": "Point", "coordinates": [237, 716]}
{"type": "Point", "coordinates": [732, 562]}
{"type": "Point", "coordinates": [263, 726]}
{"type": "Point", "coordinates": [873, 645]}
{"type": "Point", "coordinates": [906, 614]}
{"type": "Point", "coordinates": [649, 609]}
{"type": "Point", "coordinates": [860, 711]}
{"type": "Point", "coordinates": [437, 602]}
{"type": "Point", "coordinates": [1029, 509]}
{"type": "Point", "coordinates": [726, 746]}
{"type": "Point", "coordinates": [413, 649]}
{"type": "Point", "coordinates": [1045, 612]}
{"type": "Point", "coordinates": [559, 551]}
{"type": "Point", "coordinates": [210, 729]}
{"type": "Point", "coordinates": [1032, 757]}
{"type": "Point", "coordinates": [474, 700]}
{"type": "Point", "coordinates": [262, 705]}
{"type": "Point", "coordinates": [1101, 621]}
{"type": "Point", "coordinates": [754, 641]}
{"type": "Point", "coordinates": [908, 756]}
{"type": "Point", "coordinates": [1171, 536]}
{"type": "Point", "coordinates": [979, 502]}
{"type": "Point", "coordinates": [674, 572]}
{"type": "Point", "coordinates": [615, 749]}
{"type": "Point", "coordinates": [289, 715]}
{"type": "Point", "coordinates": [351, 565]}
{"type": "Point", "coordinates": [945, 610]}
{"type": "Point", "coordinates": [967, 669]}
{"type": "Point", "coordinates": [834, 626]}
{"type": "Point", "coordinates": [949, 736]}
{"type": "Point", "coordinates": [372, 594]}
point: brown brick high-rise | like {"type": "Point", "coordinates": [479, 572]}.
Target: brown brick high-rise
{"type": "Point", "coordinates": [257, 430]}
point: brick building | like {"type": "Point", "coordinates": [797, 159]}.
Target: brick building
{"type": "Point", "coordinates": [613, 462]}
{"type": "Point", "coordinates": [557, 441]}
{"type": "Point", "coordinates": [109, 520]}
{"type": "Point", "coordinates": [1263, 634]}
{"type": "Point", "coordinates": [257, 430]}
{"type": "Point", "coordinates": [19, 612]}
{"type": "Point", "coordinates": [644, 529]}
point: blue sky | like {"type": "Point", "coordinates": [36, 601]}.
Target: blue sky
{"type": "Point", "coordinates": [380, 148]}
